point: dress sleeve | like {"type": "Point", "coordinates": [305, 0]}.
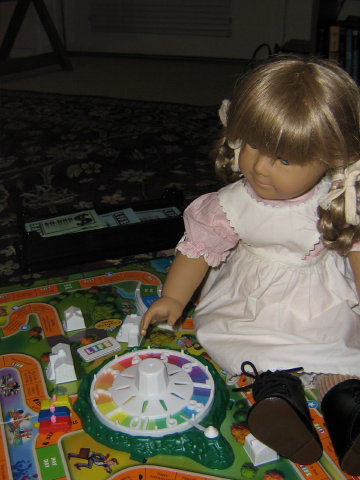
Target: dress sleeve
{"type": "Point", "coordinates": [207, 231]}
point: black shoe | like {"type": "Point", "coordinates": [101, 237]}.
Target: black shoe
{"type": "Point", "coordinates": [341, 411]}
{"type": "Point", "coordinates": [280, 417]}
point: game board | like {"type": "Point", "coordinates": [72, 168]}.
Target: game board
{"type": "Point", "coordinates": [31, 323]}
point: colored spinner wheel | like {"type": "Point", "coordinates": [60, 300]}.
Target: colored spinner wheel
{"type": "Point", "coordinates": [152, 392]}
{"type": "Point", "coordinates": [157, 402]}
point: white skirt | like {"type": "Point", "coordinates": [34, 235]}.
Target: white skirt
{"type": "Point", "coordinates": [280, 314]}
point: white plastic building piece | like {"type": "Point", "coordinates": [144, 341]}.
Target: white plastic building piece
{"type": "Point", "coordinates": [61, 367]}
{"type": "Point", "coordinates": [73, 319]}
{"type": "Point", "coordinates": [258, 452]}
{"type": "Point", "coordinates": [129, 331]}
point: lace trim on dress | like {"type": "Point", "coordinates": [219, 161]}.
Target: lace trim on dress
{"type": "Point", "coordinates": [213, 259]}
{"type": "Point", "coordinates": [208, 233]}
{"type": "Point", "coordinates": [291, 202]}
{"type": "Point", "coordinates": [242, 194]}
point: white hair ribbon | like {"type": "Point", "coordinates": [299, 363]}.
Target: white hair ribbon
{"type": "Point", "coordinates": [236, 146]}
{"type": "Point", "coordinates": [223, 111]}
{"type": "Point", "coordinates": [348, 181]}
{"type": "Point", "coordinates": [235, 163]}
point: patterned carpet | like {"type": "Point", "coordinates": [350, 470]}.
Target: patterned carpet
{"type": "Point", "coordinates": [62, 153]}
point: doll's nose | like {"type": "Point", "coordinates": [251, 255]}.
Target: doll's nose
{"type": "Point", "coordinates": [262, 165]}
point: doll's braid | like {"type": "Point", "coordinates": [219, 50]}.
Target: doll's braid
{"type": "Point", "coordinates": [339, 210]}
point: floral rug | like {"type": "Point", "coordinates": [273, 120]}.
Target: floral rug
{"type": "Point", "coordinates": [61, 153]}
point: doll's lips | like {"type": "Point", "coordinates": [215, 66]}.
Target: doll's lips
{"type": "Point", "coordinates": [260, 184]}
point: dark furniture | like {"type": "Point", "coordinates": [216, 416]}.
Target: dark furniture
{"type": "Point", "coordinates": [58, 55]}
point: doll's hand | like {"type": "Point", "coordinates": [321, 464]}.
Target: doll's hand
{"type": "Point", "coordinates": [165, 309]}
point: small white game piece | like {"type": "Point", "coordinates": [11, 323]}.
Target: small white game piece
{"type": "Point", "coordinates": [61, 366]}
{"type": "Point", "coordinates": [98, 349]}
{"type": "Point", "coordinates": [129, 331]}
{"type": "Point", "coordinates": [211, 432]}
{"type": "Point", "coordinates": [73, 319]}
{"type": "Point", "coordinates": [258, 452]}
{"type": "Point", "coordinates": [165, 326]}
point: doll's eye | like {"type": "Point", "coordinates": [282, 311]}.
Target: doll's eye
{"type": "Point", "coordinates": [283, 162]}
{"type": "Point", "coordinates": [253, 147]}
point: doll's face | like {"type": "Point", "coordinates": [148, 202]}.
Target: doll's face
{"type": "Point", "coordinates": [278, 179]}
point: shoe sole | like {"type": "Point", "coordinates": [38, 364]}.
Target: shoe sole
{"type": "Point", "coordinates": [275, 423]}
{"type": "Point", "coordinates": [351, 461]}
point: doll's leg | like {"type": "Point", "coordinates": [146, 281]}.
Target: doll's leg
{"type": "Point", "coordinates": [341, 410]}
{"type": "Point", "coordinates": [280, 417]}
{"type": "Point", "coordinates": [325, 381]}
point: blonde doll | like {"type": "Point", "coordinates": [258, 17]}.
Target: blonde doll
{"type": "Point", "coordinates": [278, 249]}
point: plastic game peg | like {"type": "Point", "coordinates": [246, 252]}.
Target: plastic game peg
{"type": "Point", "coordinates": [53, 419]}
{"type": "Point", "coordinates": [135, 359]}
{"type": "Point", "coordinates": [54, 398]}
{"type": "Point", "coordinates": [52, 408]}
{"type": "Point", "coordinates": [188, 367]}
{"type": "Point", "coordinates": [211, 432]}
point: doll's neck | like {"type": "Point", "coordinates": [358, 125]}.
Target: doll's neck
{"type": "Point", "coordinates": [290, 201]}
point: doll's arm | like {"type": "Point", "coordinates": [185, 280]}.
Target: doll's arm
{"type": "Point", "coordinates": [354, 258]}
{"type": "Point", "coordinates": [183, 278]}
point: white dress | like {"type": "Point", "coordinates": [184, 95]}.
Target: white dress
{"type": "Point", "coordinates": [272, 296]}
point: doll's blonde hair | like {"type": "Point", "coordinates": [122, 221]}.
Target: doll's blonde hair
{"type": "Point", "coordinates": [304, 110]}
